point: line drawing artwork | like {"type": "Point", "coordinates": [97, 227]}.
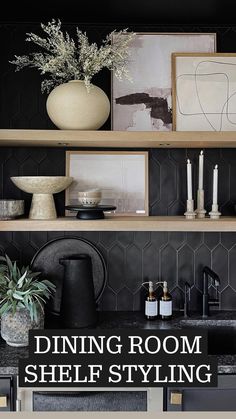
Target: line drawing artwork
{"type": "Point", "coordinates": [205, 85]}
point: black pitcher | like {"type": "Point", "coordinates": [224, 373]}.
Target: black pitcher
{"type": "Point", "coordinates": [78, 306]}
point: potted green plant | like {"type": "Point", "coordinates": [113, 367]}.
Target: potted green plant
{"type": "Point", "coordinates": [69, 65]}
{"type": "Point", "coordinates": [22, 298]}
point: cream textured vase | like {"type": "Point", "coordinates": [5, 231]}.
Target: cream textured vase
{"type": "Point", "coordinates": [71, 106]}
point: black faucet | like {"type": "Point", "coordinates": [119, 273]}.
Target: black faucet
{"type": "Point", "coordinates": [187, 289]}
{"type": "Point", "coordinates": [207, 272]}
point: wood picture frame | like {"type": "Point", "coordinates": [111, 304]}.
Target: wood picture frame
{"type": "Point", "coordinates": [147, 100]}
{"type": "Point", "coordinates": [122, 177]}
{"type": "Point", "coordinates": [204, 91]}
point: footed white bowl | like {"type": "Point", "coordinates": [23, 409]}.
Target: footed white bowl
{"type": "Point", "coordinates": [42, 188]}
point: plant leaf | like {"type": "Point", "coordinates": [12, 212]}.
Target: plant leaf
{"type": "Point", "coordinates": [17, 296]}
{"type": "Point", "coordinates": [5, 308]}
{"type": "Point", "coordinates": [21, 280]}
{"type": "Point", "coordinates": [9, 264]}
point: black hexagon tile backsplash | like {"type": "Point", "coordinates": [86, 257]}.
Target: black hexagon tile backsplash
{"type": "Point", "coordinates": [134, 261]}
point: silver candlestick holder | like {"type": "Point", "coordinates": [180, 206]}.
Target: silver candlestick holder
{"type": "Point", "coordinates": [200, 211]}
{"type": "Point", "coordinates": [190, 214]}
{"type": "Point", "coordinates": [215, 214]}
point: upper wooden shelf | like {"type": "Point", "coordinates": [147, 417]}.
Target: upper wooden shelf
{"type": "Point", "coordinates": [117, 223]}
{"type": "Point", "coordinates": [117, 139]}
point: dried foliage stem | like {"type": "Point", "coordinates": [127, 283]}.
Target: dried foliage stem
{"type": "Point", "coordinates": [64, 59]}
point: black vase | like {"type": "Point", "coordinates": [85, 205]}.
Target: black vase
{"type": "Point", "coordinates": [78, 305]}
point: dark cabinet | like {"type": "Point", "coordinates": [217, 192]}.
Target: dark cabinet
{"type": "Point", "coordinates": [221, 398]}
{"type": "Point", "coordinates": [102, 399]}
{"type": "Point", "coordinates": [7, 393]}
{"type": "Point", "coordinates": [90, 401]}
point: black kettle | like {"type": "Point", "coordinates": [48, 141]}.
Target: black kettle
{"type": "Point", "coordinates": [78, 305]}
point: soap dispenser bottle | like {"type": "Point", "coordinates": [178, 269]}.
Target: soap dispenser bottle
{"type": "Point", "coordinates": [150, 302]}
{"type": "Point", "coordinates": [165, 303]}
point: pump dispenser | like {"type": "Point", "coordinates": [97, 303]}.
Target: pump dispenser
{"type": "Point", "coordinates": [150, 302]}
{"type": "Point", "coordinates": [165, 303]}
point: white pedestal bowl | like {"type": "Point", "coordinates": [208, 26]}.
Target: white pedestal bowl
{"type": "Point", "coordinates": [42, 188]}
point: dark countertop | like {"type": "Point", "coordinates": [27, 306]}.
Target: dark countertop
{"type": "Point", "coordinates": [9, 356]}
{"type": "Point", "coordinates": [136, 319]}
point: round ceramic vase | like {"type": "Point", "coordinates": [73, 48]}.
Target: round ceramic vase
{"type": "Point", "coordinates": [15, 327]}
{"type": "Point", "coordinates": [71, 106]}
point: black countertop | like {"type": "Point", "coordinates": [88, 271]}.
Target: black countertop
{"type": "Point", "coordinates": [9, 356]}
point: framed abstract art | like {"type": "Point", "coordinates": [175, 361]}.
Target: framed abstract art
{"type": "Point", "coordinates": [145, 104]}
{"type": "Point", "coordinates": [204, 92]}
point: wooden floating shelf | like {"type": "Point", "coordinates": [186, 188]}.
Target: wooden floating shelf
{"type": "Point", "coordinates": [117, 139]}
{"type": "Point", "coordinates": [111, 223]}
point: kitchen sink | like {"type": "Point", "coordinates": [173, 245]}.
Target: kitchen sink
{"type": "Point", "coordinates": [221, 334]}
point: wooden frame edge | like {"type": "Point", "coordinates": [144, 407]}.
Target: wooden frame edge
{"type": "Point", "coordinates": [117, 152]}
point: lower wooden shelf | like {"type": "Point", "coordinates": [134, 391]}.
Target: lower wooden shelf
{"type": "Point", "coordinates": [117, 223]}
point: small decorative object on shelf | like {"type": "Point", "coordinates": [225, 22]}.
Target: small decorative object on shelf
{"type": "Point", "coordinates": [90, 213]}
{"type": "Point", "coordinates": [215, 214]}
{"type": "Point", "coordinates": [200, 211]}
{"type": "Point", "coordinates": [75, 103]}
{"type": "Point", "coordinates": [89, 198]}
{"type": "Point", "coordinates": [190, 213]}
{"type": "Point", "coordinates": [42, 188]}
{"type": "Point", "coordinates": [11, 208]}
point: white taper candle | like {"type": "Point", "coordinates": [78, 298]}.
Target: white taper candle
{"type": "Point", "coordinates": [200, 168]}
{"type": "Point", "coordinates": [189, 180]}
{"type": "Point", "coordinates": [215, 184]}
